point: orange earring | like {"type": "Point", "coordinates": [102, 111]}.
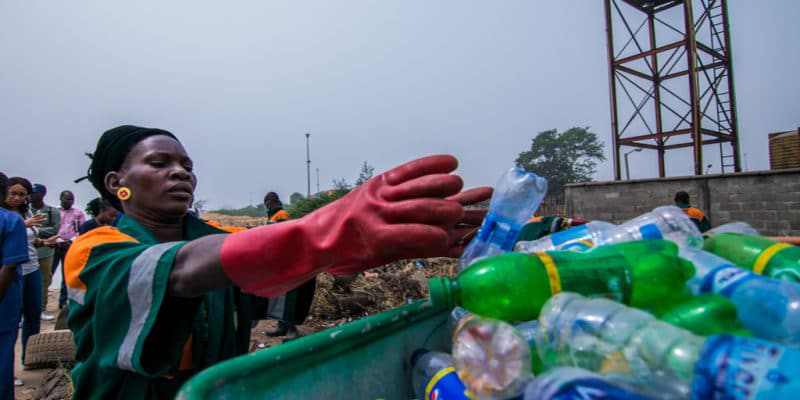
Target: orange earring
{"type": "Point", "coordinates": [124, 193]}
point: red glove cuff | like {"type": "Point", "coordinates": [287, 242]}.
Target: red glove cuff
{"type": "Point", "coordinates": [270, 260]}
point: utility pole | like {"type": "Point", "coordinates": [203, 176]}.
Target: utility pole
{"type": "Point", "coordinates": [308, 166]}
{"type": "Point", "coordinates": [317, 180]}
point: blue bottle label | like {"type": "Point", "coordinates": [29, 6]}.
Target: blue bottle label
{"type": "Point", "coordinates": [650, 232]}
{"type": "Point", "coordinates": [446, 385]}
{"type": "Point", "coordinates": [499, 231]}
{"type": "Point", "coordinates": [733, 367]}
{"type": "Point", "coordinates": [578, 232]}
{"type": "Point", "coordinates": [593, 389]}
{"type": "Point", "coordinates": [724, 279]}
{"type": "Point", "coordinates": [574, 239]}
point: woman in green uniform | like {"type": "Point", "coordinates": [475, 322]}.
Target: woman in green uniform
{"type": "Point", "coordinates": [163, 295]}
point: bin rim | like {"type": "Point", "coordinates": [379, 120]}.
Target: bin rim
{"type": "Point", "coordinates": [208, 381]}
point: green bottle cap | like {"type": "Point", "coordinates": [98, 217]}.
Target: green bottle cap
{"type": "Point", "coordinates": [442, 292]}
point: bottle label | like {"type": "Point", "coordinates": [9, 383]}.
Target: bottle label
{"type": "Point", "coordinates": [573, 239]}
{"type": "Point", "coordinates": [650, 232]}
{"type": "Point", "coordinates": [500, 231]}
{"type": "Point", "coordinates": [446, 385]}
{"type": "Point", "coordinates": [763, 259]}
{"type": "Point", "coordinates": [724, 279]}
{"type": "Point", "coordinates": [578, 232]}
{"type": "Point", "coordinates": [732, 367]}
{"type": "Point", "coordinates": [593, 389]}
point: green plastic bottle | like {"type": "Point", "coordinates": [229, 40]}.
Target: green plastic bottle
{"type": "Point", "coordinates": [758, 254]}
{"type": "Point", "coordinates": [705, 315]}
{"type": "Point", "coordinates": [513, 286]}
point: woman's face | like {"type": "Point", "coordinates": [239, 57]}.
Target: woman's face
{"type": "Point", "coordinates": [16, 196]}
{"type": "Point", "coordinates": [160, 176]}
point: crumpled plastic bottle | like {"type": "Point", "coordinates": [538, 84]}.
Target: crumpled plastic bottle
{"type": "Point", "coordinates": [516, 197]}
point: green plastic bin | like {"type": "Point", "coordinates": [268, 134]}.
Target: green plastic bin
{"type": "Point", "coordinates": [365, 359]}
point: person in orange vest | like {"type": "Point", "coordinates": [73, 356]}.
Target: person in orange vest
{"type": "Point", "coordinates": [275, 210]}
{"type": "Point", "coordinates": [697, 216]}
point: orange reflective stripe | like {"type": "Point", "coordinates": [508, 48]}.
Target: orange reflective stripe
{"type": "Point", "coordinates": [281, 215]}
{"type": "Point", "coordinates": [694, 213]}
{"type": "Point", "coordinates": [81, 248]}
{"type": "Point", "coordinates": [765, 256]}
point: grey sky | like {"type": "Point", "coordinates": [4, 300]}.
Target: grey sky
{"type": "Point", "coordinates": [381, 81]}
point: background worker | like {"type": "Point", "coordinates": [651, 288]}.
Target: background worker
{"type": "Point", "coordinates": [17, 199]}
{"type": "Point", "coordinates": [47, 230]}
{"type": "Point", "coordinates": [71, 219]}
{"type": "Point", "coordinates": [163, 295]}
{"type": "Point", "coordinates": [102, 213]}
{"type": "Point", "coordinates": [292, 308]}
{"type": "Point", "coordinates": [13, 252]}
{"type": "Point", "coordinates": [697, 216]}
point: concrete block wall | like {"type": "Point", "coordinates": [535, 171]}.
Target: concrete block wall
{"type": "Point", "coordinates": [768, 200]}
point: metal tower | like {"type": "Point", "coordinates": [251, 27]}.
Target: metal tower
{"type": "Point", "coordinates": [671, 79]}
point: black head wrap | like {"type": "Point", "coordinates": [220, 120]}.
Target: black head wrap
{"type": "Point", "coordinates": [112, 148]}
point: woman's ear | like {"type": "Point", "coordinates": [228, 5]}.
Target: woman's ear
{"type": "Point", "coordinates": [113, 181]}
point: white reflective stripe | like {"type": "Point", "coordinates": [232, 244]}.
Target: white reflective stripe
{"type": "Point", "coordinates": [76, 295]}
{"type": "Point", "coordinates": [140, 296]}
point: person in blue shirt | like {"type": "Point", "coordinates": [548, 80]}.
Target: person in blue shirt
{"type": "Point", "coordinates": [13, 252]}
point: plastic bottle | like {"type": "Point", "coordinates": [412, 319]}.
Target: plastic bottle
{"type": "Point", "coordinates": [706, 314]}
{"type": "Point", "coordinates": [492, 358]}
{"type": "Point", "coordinates": [668, 222]}
{"type": "Point", "coordinates": [579, 238]}
{"type": "Point", "coordinates": [513, 286]}
{"type": "Point", "coordinates": [516, 197]}
{"type": "Point", "coordinates": [434, 377]}
{"type": "Point", "coordinates": [769, 308]}
{"type": "Point", "coordinates": [608, 337]}
{"type": "Point", "coordinates": [758, 254]}
{"type": "Point", "coordinates": [742, 228]}
{"type": "Point", "coordinates": [569, 383]}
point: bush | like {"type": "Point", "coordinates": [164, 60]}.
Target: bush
{"type": "Point", "coordinates": [304, 206]}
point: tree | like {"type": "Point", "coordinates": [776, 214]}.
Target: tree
{"type": "Point", "coordinates": [562, 158]}
{"type": "Point", "coordinates": [341, 184]}
{"type": "Point", "coordinates": [295, 197]}
{"type": "Point", "coordinates": [200, 206]}
{"type": "Point", "coordinates": [365, 174]}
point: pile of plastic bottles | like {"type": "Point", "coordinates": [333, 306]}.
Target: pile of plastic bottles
{"type": "Point", "coordinates": [648, 309]}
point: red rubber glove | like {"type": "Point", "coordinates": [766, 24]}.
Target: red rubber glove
{"type": "Point", "coordinates": [412, 211]}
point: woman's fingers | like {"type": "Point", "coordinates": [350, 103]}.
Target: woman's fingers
{"type": "Point", "coordinates": [444, 213]}
{"type": "Point", "coordinates": [428, 186]}
{"type": "Point", "coordinates": [438, 164]}
{"type": "Point", "coordinates": [413, 241]}
{"type": "Point", "coordinates": [473, 196]}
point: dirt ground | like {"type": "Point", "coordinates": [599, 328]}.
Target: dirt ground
{"type": "Point", "coordinates": [337, 301]}
{"type": "Point", "coordinates": [33, 379]}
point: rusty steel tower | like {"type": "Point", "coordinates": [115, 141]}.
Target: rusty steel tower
{"type": "Point", "coordinates": [671, 79]}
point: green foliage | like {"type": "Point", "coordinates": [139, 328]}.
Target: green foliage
{"type": "Point", "coordinates": [295, 197]}
{"type": "Point", "coordinates": [341, 184]}
{"type": "Point", "coordinates": [365, 174]}
{"type": "Point", "coordinates": [567, 157]}
{"type": "Point", "coordinates": [248, 211]}
{"type": "Point", "coordinates": [307, 205]}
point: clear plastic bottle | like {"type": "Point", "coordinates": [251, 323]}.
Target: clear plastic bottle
{"type": "Point", "coordinates": [742, 228]}
{"type": "Point", "coordinates": [607, 337]}
{"type": "Point", "coordinates": [668, 222]}
{"type": "Point", "coordinates": [569, 383]}
{"type": "Point", "coordinates": [579, 238]}
{"type": "Point", "coordinates": [516, 197]}
{"type": "Point", "coordinates": [434, 377]}
{"type": "Point", "coordinates": [767, 307]}
{"type": "Point", "coordinates": [492, 358]}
